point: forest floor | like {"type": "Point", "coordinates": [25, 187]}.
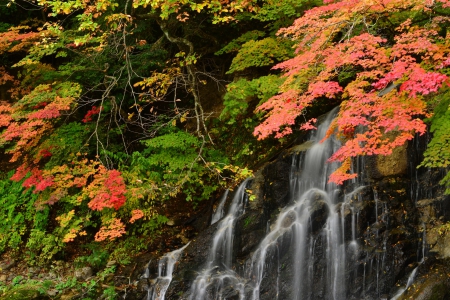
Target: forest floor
{"type": "Point", "coordinates": [66, 279]}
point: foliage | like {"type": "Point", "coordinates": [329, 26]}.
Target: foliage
{"type": "Point", "coordinates": [98, 257]}
{"type": "Point", "coordinates": [114, 228]}
{"type": "Point", "coordinates": [32, 117]}
{"type": "Point", "coordinates": [239, 93]}
{"type": "Point", "coordinates": [236, 44]}
{"type": "Point", "coordinates": [22, 289]}
{"type": "Point", "coordinates": [261, 53]}
{"type": "Point", "coordinates": [279, 11]}
{"type": "Point", "coordinates": [102, 121]}
{"type": "Point", "coordinates": [92, 289]}
{"type": "Point", "coordinates": [105, 106]}
{"type": "Point", "coordinates": [255, 52]}
{"type": "Point", "coordinates": [436, 155]}
{"type": "Point", "coordinates": [174, 163]}
{"type": "Point", "coordinates": [68, 138]}
{"type": "Point", "coordinates": [345, 35]}
{"type": "Point", "coordinates": [20, 217]}
{"type": "Point", "coordinates": [42, 247]}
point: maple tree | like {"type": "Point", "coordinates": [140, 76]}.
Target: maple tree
{"type": "Point", "coordinates": [387, 82]}
{"type": "Point", "coordinates": [112, 230]}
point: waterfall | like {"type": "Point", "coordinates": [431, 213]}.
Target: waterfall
{"type": "Point", "coordinates": [311, 197]}
{"type": "Point", "coordinates": [326, 243]}
{"type": "Point", "coordinates": [311, 194]}
{"type": "Point", "coordinates": [218, 214]}
{"type": "Point", "coordinates": [413, 273]}
{"type": "Point", "coordinates": [218, 273]}
{"type": "Point", "coordinates": [410, 281]}
{"type": "Point", "coordinates": [166, 265]}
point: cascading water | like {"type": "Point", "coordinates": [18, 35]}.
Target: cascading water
{"type": "Point", "coordinates": [312, 197]}
{"type": "Point", "coordinates": [218, 273]}
{"type": "Point", "coordinates": [166, 265]}
{"type": "Point", "coordinates": [413, 273]}
{"type": "Point", "coordinates": [408, 284]}
{"type": "Point", "coordinates": [310, 194]}
{"type": "Point", "coordinates": [218, 214]}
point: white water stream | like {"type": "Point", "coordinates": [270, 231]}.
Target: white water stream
{"type": "Point", "coordinates": [310, 192]}
{"type": "Point", "coordinates": [218, 214]}
{"type": "Point", "coordinates": [218, 273]}
{"type": "Point", "coordinates": [166, 265]}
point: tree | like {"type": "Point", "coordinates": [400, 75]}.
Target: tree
{"type": "Point", "coordinates": [355, 53]}
{"type": "Point", "coordinates": [92, 91]}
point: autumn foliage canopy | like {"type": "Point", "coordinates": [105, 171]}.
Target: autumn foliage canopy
{"type": "Point", "coordinates": [389, 75]}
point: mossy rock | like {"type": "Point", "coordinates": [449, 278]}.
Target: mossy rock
{"type": "Point", "coordinates": [439, 292]}
{"type": "Point", "coordinates": [24, 294]}
{"type": "Point", "coordinates": [433, 286]}
{"type": "Point", "coordinates": [429, 291]}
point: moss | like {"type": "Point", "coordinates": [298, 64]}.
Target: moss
{"type": "Point", "coordinates": [438, 292]}
{"type": "Point", "coordinates": [249, 220]}
{"type": "Point", "coordinates": [24, 294]}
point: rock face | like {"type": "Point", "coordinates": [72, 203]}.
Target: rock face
{"type": "Point", "coordinates": [83, 273]}
{"type": "Point", "coordinates": [381, 166]}
{"type": "Point", "coordinates": [384, 223]}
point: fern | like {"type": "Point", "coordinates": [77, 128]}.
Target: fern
{"type": "Point", "coordinates": [437, 154]}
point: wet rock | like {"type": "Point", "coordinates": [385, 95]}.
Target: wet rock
{"type": "Point", "coordinates": [432, 283]}
{"type": "Point", "coordinates": [52, 292]}
{"type": "Point", "coordinates": [257, 188]}
{"type": "Point", "coordinates": [379, 166]}
{"type": "Point", "coordinates": [83, 273]}
{"type": "Point", "coordinates": [7, 264]}
{"type": "Point", "coordinates": [288, 219]}
{"type": "Point", "coordinates": [142, 285]}
{"type": "Point", "coordinates": [192, 260]}
{"type": "Point", "coordinates": [382, 230]}
{"type": "Point", "coordinates": [249, 231]}
{"type": "Point", "coordinates": [276, 188]}
{"type": "Point", "coordinates": [301, 148]}
{"type": "Point", "coordinates": [111, 263]}
{"type": "Point", "coordinates": [319, 214]}
{"type": "Point", "coordinates": [434, 213]}
{"type": "Point", "coordinates": [442, 245]}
